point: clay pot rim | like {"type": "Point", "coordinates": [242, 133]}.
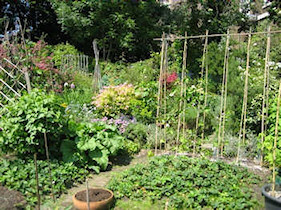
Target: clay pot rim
{"type": "Point", "coordinates": [95, 188]}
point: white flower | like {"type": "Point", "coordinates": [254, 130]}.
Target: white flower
{"type": "Point", "coordinates": [65, 84]}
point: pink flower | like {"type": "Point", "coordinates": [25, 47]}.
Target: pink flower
{"type": "Point", "coordinates": [172, 77]}
{"type": "Point", "coordinates": [72, 86]}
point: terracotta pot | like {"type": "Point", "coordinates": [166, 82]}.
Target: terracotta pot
{"type": "Point", "coordinates": [96, 205]}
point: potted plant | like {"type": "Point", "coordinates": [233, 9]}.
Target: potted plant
{"type": "Point", "coordinates": [98, 199]}
{"type": "Point", "coordinates": [271, 192]}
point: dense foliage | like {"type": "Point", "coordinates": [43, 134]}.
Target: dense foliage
{"type": "Point", "coordinates": [187, 183]}
{"type": "Point", "coordinates": [20, 175]}
{"type": "Point", "coordinates": [25, 122]}
{"type": "Point", "coordinates": [93, 144]}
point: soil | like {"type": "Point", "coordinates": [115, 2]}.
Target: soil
{"type": "Point", "coordinates": [276, 194]}
{"type": "Point", "coordinates": [94, 195]}
{"type": "Point", "coordinates": [11, 199]}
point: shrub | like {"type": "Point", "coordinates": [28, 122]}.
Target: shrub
{"type": "Point", "coordinates": [61, 50]}
{"type": "Point", "coordinates": [25, 122]}
{"type": "Point", "coordinates": [114, 100]}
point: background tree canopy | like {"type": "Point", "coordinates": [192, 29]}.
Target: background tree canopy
{"type": "Point", "coordinates": [124, 29]}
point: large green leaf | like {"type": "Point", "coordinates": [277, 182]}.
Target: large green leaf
{"type": "Point", "coordinates": [101, 157]}
{"type": "Point", "coordinates": [68, 149]}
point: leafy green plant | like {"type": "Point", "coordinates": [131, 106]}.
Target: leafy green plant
{"type": "Point", "coordinates": [61, 50]}
{"type": "Point", "coordinates": [269, 138]}
{"type": "Point", "coordinates": [92, 145]}
{"type": "Point", "coordinates": [25, 122]}
{"type": "Point", "coordinates": [20, 175]}
{"type": "Point", "coordinates": [187, 183]}
{"type": "Point", "coordinates": [136, 132]}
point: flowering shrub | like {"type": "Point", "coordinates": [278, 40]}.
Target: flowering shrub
{"type": "Point", "coordinates": [37, 58]}
{"type": "Point", "coordinates": [114, 100]}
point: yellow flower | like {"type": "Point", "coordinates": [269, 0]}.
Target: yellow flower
{"type": "Point", "coordinates": [64, 105]}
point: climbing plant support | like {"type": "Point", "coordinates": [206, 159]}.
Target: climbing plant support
{"type": "Point", "coordinates": [244, 106]}
{"type": "Point", "coordinates": [223, 99]}
{"type": "Point", "coordinates": [265, 95]}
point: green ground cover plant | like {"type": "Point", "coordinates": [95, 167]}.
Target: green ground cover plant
{"type": "Point", "coordinates": [188, 184]}
{"type": "Point", "coordinates": [20, 175]}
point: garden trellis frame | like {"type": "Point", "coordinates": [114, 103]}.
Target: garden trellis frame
{"type": "Point", "coordinates": [13, 82]}
{"type": "Point", "coordinates": [204, 74]}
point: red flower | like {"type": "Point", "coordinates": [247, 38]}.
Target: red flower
{"type": "Point", "coordinates": [172, 77]}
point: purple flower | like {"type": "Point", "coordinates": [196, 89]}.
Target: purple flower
{"type": "Point", "coordinates": [72, 86]}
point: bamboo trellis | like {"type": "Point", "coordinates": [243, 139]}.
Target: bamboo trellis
{"type": "Point", "coordinates": [224, 89]}
{"type": "Point", "coordinates": [12, 82]}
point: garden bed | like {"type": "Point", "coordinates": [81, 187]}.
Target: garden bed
{"type": "Point", "coordinates": [11, 199]}
{"type": "Point", "coordinates": [184, 182]}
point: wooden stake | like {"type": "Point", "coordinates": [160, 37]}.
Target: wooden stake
{"type": "Point", "coordinates": [275, 139]}
{"type": "Point", "coordinates": [49, 166]}
{"type": "Point", "coordinates": [264, 99]}
{"type": "Point", "coordinates": [159, 92]}
{"type": "Point", "coordinates": [87, 195]}
{"type": "Point", "coordinates": [37, 181]}
{"type": "Point", "coordinates": [181, 93]}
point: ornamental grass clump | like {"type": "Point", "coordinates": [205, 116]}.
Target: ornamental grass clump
{"type": "Point", "coordinates": [115, 100]}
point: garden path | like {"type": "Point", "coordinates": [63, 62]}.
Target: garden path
{"type": "Point", "coordinates": [96, 180]}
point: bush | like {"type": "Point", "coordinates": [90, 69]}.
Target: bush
{"type": "Point", "coordinates": [25, 122]}
{"type": "Point", "coordinates": [114, 100]}
{"type": "Point", "coordinates": [61, 50]}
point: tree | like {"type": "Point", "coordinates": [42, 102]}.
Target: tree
{"type": "Point", "coordinates": [37, 17]}
{"type": "Point", "coordinates": [124, 30]}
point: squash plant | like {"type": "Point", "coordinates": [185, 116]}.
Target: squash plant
{"type": "Point", "coordinates": [92, 145]}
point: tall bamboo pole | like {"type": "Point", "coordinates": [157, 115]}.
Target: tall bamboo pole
{"type": "Point", "coordinates": [275, 139]}
{"type": "Point", "coordinates": [198, 106]}
{"type": "Point", "coordinates": [225, 94]}
{"type": "Point", "coordinates": [165, 95]}
{"type": "Point", "coordinates": [244, 106]}
{"type": "Point", "coordinates": [206, 88]}
{"type": "Point", "coordinates": [159, 92]}
{"type": "Point", "coordinates": [222, 95]}
{"type": "Point", "coordinates": [264, 99]}
{"type": "Point", "coordinates": [246, 87]}
{"type": "Point", "coordinates": [181, 93]}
